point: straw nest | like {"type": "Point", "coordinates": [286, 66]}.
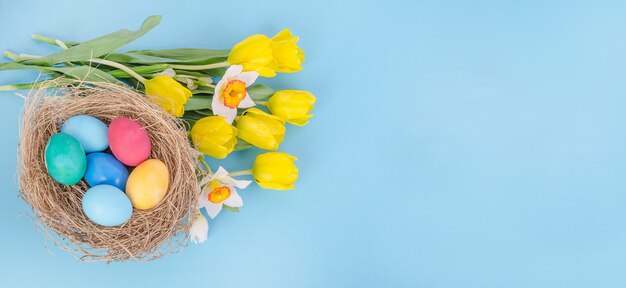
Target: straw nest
{"type": "Point", "coordinates": [57, 208]}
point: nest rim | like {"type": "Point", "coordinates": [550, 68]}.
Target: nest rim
{"type": "Point", "coordinates": [57, 210]}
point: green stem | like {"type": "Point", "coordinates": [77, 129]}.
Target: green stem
{"type": "Point", "coordinates": [141, 70]}
{"type": "Point", "coordinates": [28, 56]}
{"type": "Point", "coordinates": [30, 85]}
{"type": "Point", "coordinates": [206, 165]}
{"type": "Point", "coordinates": [200, 67]}
{"type": "Point", "coordinates": [16, 87]}
{"type": "Point", "coordinates": [240, 173]}
{"type": "Point", "coordinates": [121, 67]}
{"type": "Point", "coordinates": [11, 55]}
{"type": "Point", "coordinates": [264, 103]}
{"type": "Point", "coordinates": [53, 41]}
{"type": "Point", "coordinates": [45, 39]}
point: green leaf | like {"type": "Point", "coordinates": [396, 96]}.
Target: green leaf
{"type": "Point", "coordinates": [141, 70]}
{"type": "Point", "coordinates": [134, 58]}
{"type": "Point", "coordinates": [96, 47]}
{"type": "Point", "coordinates": [259, 91]}
{"type": "Point", "coordinates": [192, 115]}
{"type": "Point", "coordinates": [242, 145]}
{"type": "Point", "coordinates": [83, 73]}
{"type": "Point", "coordinates": [198, 102]}
{"type": "Point", "coordinates": [231, 209]}
{"type": "Point", "coordinates": [188, 55]}
{"type": "Point", "coordinates": [15, 66]}
{"type": "Point", "coordinates": [204, 90]}
{"type": "Point", "coordinates": [205, 112]}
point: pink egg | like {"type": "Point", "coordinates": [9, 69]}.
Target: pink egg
{"type": "Point", "coordinates": [129, 142]}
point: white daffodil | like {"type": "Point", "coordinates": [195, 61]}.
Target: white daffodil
{"type": "Point", "coordinates": [230, 92]}
{"type": "Point", "coordinates": [199, 229]}
{"type": "Point", "coordinates": [219, 190]}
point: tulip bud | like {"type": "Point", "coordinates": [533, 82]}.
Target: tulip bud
{"type": "Point", "coordinates": [288, 57]}
{"type": "Point", "coordinates": [168, 94]}
{"type": "Point", "coordinates": [292, 105]}
{"type": "Point", "coordinates": [214, 136]}
{"type": "Point", "coordinates": [261, 129]}
{"type": "Point", "coordinates": [254, 54]}
{"type": "Point", "coordinates": [275, 170]}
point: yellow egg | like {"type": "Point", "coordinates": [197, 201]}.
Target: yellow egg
{"type": "Point", "coordinates": [147, 184]}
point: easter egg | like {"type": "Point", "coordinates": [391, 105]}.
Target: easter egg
{"type": "Point", "coordinates": [103, 168]}
{"type": "Point", "coordinates": [129, 141]}
{"type": "Point", "coordinates": [147, 184]}
{"type": "Point", "coordinates": [65, 159]}
{"type": "Point", "coordinates": [106, 205]}
{"type": "Point", "coordinates": [89, 131]}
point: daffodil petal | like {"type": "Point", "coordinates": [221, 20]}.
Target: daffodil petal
{"type": "Point", "coordinates": [234, 200]}
{"type": "Point", "coordinates": [220, 173]}
{"type": "Point", "coordinates": [232, 71]}
{"type": "Point", "coordinates": [247, 77]}
{"type": "Point", "coordinates": [241, 184]}
{"type": "Point", "coordinates": [212, 209]}
{"type": "Point", "coordinates": [247, 102]}
{"type": "Point", "coordinates": [220, 109]}
{"type": "Point", "coordinates": [203, 201]}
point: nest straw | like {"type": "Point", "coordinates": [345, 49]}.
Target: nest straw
{"type": "Point", "coordinates": [57, 208]}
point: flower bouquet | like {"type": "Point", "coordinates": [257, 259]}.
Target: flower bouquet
{"type": "Point", "coordinates": [156, 115]}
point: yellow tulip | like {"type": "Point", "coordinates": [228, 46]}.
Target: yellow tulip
{"type": "Point", "coordinates": [292, 105]}
{"type": "Point", "coordinates": [275, 170]}
{"type": "Point", "coordinates": [254, 54]}
{"type": "Point", "coordinates": [261, 129]}
{"type": "Point", "coordinates": [214, 136]}
{"type": "Point", "coordinates": [288, 57]}
{"type": "Point", "coordinates": [168, 93]}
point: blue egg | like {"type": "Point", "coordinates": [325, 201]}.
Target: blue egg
{"type": "Point", "coordinates": [103, 168]}
{"type": "Point", "coordinates": [106, 205]}
{"type": "Point", "coordinates": [89, 131]}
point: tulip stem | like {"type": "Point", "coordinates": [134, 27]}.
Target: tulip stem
{"type": "Point", "coordinates": [264, 103]}
{"type": "Point", "coordinates": [16, 87]}
{"type": "Point", "coordinates": [11, 55]}
{"type": "Point", "coordinates": [240, 173]}
{"type": "Point", "coordinates": [55, 83]}
{"type": "Point", "coordinates": [200, 67]}
{"type": "Point", "coordinates": [121, 67]}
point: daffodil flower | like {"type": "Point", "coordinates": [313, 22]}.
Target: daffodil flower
{"type": "Point", "coordinates": [199, 230]}
{"type": "Point", "coordinates": [219, 190]}
{"type": "Point", "coordinates": [230, 92]}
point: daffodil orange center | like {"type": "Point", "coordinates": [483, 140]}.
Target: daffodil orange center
{"type": "Point", "coordinates": [233, 93]}
{"type": "Point", "coordinates": [219, 194]}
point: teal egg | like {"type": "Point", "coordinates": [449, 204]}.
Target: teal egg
{"type": "Point", "coordinates": [65, 159]}
{"type": "Point", "coordinates": [107, 205]}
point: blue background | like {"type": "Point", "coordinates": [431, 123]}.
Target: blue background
{"type": "Point", "coordinates": [454, 144]}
